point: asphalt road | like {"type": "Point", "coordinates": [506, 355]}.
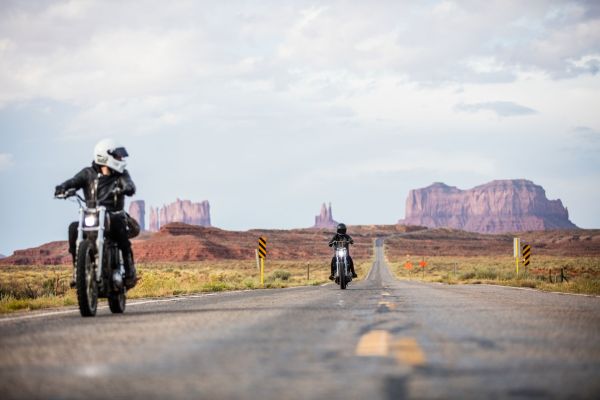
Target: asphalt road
{"type": "Point", "coordinates": [380, 339]}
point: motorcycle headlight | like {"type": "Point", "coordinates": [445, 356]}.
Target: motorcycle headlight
{"type": "Point", "coordinates": [90, 219]}
{"type": "Point", "coordinates": [341, 252]}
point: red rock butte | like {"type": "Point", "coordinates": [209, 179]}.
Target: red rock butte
{"type": "Point", "coordinates": [497, 207]}
{"type": "Point", "coordinates": [180, 211]}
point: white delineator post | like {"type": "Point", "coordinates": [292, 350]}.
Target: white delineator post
{"type": "Point", "coordinates": [517, 252]}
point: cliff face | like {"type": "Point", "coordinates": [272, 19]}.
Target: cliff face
{"type": "Point", "coordinates": [495, 207]}
{"type": "Point", "coordinates": [137, 209]}
{"type": "Point", "coordinates": [325, 218]}
{"type": "Point", "coordinates": [180, 211]}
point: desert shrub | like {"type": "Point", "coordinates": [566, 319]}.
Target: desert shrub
{"type": "Point", "coordinates": [467, 275]}
{"type": "Point", "coordinates": [250, 283]}
{"type": "Point", "coordinates": [280, 274]}
{"type": "Point", "coordinates": [486, 274]}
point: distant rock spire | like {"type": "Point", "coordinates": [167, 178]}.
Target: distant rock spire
{"type": "Point", "coordinates": [137, 209]}
{"type": "Point", "coordinates": [325, 218]}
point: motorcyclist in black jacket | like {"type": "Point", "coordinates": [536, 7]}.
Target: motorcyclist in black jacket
{"type": "Point", "coordinates": [342, 236]}
{"type": "Point", "coordinates": [110, 181]}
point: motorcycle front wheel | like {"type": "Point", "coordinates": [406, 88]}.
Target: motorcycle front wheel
{"type": "Point", "coordinates": [342, 270]}
{"type": "Point", "coordinates": [116, 302]}
{"type": "Point", "coordinates": [87, 287]}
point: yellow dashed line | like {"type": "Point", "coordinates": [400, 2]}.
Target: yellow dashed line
{"type": "Point", "coordinates": [374, 344]}
{"type": "Point", "coordinates": [379, 343]}
{"type": "Point", "coordinates": [408, 351]}
{"type": "Point", "coordinates": [387, 304]}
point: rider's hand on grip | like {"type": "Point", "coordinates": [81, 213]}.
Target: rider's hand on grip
{"type": "Point", "coordinates": [59, 191]}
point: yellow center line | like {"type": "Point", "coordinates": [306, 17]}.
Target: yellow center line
{"type": "Point", "coordinates": [387, 304]}
{"type": "Point", "coordinates": [385, 294]}
{"type": "Point", "coordinates": [408, 351]}
{"type": "Point", "coordinates": [374, 344]}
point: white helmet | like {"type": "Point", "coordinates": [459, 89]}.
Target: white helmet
{"type": "Point", "coordinates": [108, 152]}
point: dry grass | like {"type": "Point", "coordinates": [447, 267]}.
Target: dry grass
{"type": "Point", "coordinates": [543, 273]}
{"type": "Point", "coordinates": [36, 287]}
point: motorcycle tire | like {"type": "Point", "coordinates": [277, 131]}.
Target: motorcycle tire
{"type": "Point", "coordinates": [343, 277]}
{"type": "Point", "coordinates": [87, 287]}
{"type": "Point", "coordinates": [116, 302]}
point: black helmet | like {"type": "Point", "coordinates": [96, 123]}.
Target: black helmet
{"type": "Point", "coordinates": [341, 228]}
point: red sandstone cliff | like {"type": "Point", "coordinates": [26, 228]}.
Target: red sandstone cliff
{"type": "Point", "coordinates": [180, 211]}
{"type": "Point", "coordinates": [137, 209]}
{"type": "Point", "coordinates": [325, 218]}
{"type": "Point", "coordinates": [495, 207]}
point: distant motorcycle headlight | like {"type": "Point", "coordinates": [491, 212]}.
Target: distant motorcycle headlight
{"type": "Point", "coordinates": [341, 252]}
{"type": "Point", "coordinates": [90, 220]}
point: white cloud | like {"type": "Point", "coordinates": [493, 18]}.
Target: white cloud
{"type": "Point", "coordinates": [6, 161]}
{"type": "Point", "coordinates": [500, 108]}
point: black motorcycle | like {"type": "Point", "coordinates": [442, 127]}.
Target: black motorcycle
{"type": "Point", "coordinates": [99, 269]}
{"type": "Point", "coordinates": [342, 274]}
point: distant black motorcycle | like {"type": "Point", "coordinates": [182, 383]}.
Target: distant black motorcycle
{"type": "Point", "coordinates": [99, 269]}
{"type": "Point", "coordinates": [342, 274]}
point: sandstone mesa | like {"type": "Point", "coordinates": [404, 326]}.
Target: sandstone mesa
{"type": "Point", "coordinates": [497, 207]}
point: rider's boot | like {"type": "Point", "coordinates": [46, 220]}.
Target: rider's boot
{"type": "Point", "coordinates": [331, 276]}
{"type": "Point", "coordinates": [130, 272]}
{"type": "Point", "coordinates": [353, 272]}
{"type": "Point", "coordinates": [72, 284]}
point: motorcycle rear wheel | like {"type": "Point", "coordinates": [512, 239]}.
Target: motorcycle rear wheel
{"type": "Point", "coordinates": [87, 287]}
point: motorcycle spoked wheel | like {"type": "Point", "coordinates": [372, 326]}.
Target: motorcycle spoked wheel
{"type": "Point", "coordinates": [343, 282]}
{"type": "Point", "coordinates": [116, 301]}
{"type": "Point", "coordinates": [116, 298]}
{"type": "Point", "coordinates": [87, 287]}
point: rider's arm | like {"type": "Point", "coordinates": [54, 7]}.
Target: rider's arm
{"type": "Point", "coordinates": [127, 184]}
{"type": "Point", "coordinates": [350, 240]}
{"type": "Point", "coordinates": [78, 181]}
{"type": "Point", "coordinates": [332, 241]}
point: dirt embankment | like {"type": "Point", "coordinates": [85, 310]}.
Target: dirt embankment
{"type": "Point", "coordinates": [449, 242]}
{"type": "Point", "coordinates": [180, 242]}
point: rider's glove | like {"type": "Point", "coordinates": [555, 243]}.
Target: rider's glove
{"type": "Point", "coordinates": [59, 190]}
{"type": "Point", "coordinates": [117, 191]}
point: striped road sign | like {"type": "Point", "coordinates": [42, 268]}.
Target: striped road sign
{"type": "Point", "coordinates": [262, 247]}
{"type": "Point", "coordinates": [526, 254]}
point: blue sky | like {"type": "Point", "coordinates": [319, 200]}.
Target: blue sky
{"type": "Point", "coordinates": [269, 108]}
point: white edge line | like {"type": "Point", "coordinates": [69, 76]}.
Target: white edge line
{"type": "Point", "coordinates": [140, 302]}
{"type": "Point", "coordinates": [534, 290]}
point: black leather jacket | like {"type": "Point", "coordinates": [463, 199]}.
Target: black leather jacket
{"type": "Point", "coordinates": [340, 237]}
{"type": "Point", "coordinates": [86, 180]}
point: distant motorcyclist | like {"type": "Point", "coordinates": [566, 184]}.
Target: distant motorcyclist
{"type": "Point", "coordinates": [342, 236]}
{"type": "Point", "coordinates": [108, 181]}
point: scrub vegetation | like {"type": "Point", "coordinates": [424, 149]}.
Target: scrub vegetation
{"type": "Point", "coordinates": [582, 273]}
{"type": "Point", "coordinates": [38, 287]}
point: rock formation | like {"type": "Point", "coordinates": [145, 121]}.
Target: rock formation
{"type": "Point", "coordinates": [180, 211]}
{"type": "Point", "coordinates": [325, 218]}
{"type": "Point", "coordinates": [495, 207]}
{"type": "Point", "coordinates": [137, 209]}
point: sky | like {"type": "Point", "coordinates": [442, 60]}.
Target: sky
{"type": "Point", "coordinates": [269, 108]}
